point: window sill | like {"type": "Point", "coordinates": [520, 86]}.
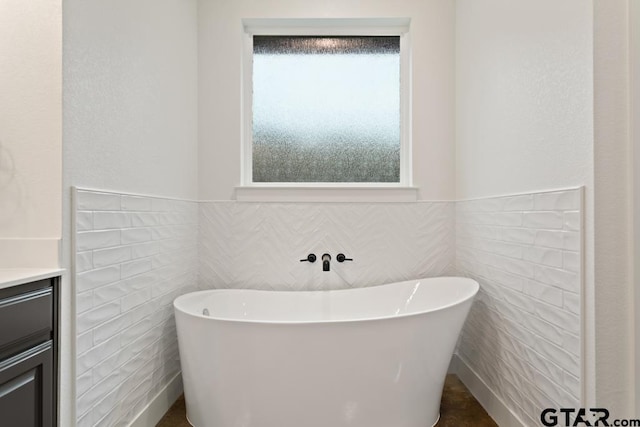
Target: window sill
{"type": "Point", "coordinates": [325, 194]}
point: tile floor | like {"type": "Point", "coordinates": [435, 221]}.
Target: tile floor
{"type": "Point", "coordinates": [458, 409]}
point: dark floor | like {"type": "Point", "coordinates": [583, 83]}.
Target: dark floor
{"type": "Point", "coordinates": [458, 409]}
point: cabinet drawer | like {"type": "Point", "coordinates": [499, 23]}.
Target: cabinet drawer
{"type": "Point", "coordinates": [26, 315]}
{"type": "Point", "coordinates": [26, 387]}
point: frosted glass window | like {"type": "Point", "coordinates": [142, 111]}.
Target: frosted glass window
{"type": "Point", "coordinates": [326, 109]}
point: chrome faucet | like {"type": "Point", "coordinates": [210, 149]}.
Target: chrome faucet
{"type": "Point", "coordinates": [326, 261]}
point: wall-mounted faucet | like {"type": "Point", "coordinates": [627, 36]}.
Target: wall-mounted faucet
{"type": "Point", "coordinates": [326, 261]}
{"type": "Point", "coordinates": [310, 258]}
{"type": "Point", "coordinates": [343, 258]}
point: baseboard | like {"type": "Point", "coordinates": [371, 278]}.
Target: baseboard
{"type": "Point", "coordinates": [160, 404]}
{"type": "Point", "coordinates": [494, 406]}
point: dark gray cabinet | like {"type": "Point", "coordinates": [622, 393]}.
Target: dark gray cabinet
{"type": "Point", "coordinates": [28, 354]}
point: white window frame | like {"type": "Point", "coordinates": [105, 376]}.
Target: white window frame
{"type": "Point", "coordinates": [338, 191]}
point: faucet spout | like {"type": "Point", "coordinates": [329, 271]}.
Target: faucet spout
{"type": "Point", "coordinates": [326, 262]}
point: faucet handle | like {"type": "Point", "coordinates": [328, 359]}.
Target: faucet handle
{"type": "Point", "coordinates": [343, 258]}
{"type": "Point", "coordinates": [310, 258]}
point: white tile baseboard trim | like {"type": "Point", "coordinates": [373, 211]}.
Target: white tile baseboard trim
{"type": "Point", "coordinates": [495, 407]}
{"type": "Point", "coordinates": [160, 404]}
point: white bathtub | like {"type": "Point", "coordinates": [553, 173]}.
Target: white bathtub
{"type": "Point", "coordinates": [367, 357]}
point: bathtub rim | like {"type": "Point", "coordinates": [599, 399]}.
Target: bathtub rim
{"type": "Point", "coordinates": [467, 298]}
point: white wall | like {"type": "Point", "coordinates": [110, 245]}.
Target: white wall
{"type": "Point", "coordinates": [524, 96]}
{"type": "Point", "coordinates": [130, 96]}
{"type": "Point", "coordinates": [30, 126]}
{"type": "Point", "coordinates": [524, 112]}
{"type": "Point", "coordinates": [220, 49]}
{"type": "Point", "coordinates": [613, 203]}
{"type": "Point", "coordinates": [541, 103]}
{"type": "Point", "coordinates": [634, 25]}
{"type": "Point", "coordinates": [130, 114]}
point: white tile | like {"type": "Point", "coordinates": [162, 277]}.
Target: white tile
{"type": "Point", "coordinates": [135, 235]}
{"type": "Point", "coordinates": [572, 241]}
{"type": "Point", "coordinates": [92, 318]}
{"type": "Point", "coordinates": [571, 261]}
{"type": "Point", "coordinates": [111, 256]}
{"type": "Point", "coordinates": [110, 328]}
{"type": "Point", "coordinates": [135, 299]}
{"type": "Point", "coordinates": [518, 203]}
{"type": "Point", "coordinates": [572, 302]}
{"type": "Point", "coordinates": [507, 219]}
{"type": "Point", "coordinates": [142, 250]}
{"type": "Point", "coordinates": [559, 355]}
{"type": "Point", "coordinates": [558, 316]}
{"type": "Point", "coordinates": [141, 311]}
{"type": "Point", "coordinates": [89, 359]}
{"type": "Point", "coordinates": [110, 293]}
{"type": "Point", "coordinates": [546, 330]}
{"type": "Point", "coordinates": [136, 267]}
{"type": "Point", "coordinates": [543, 220]}
{"type": "Point", "coordinates": [94, 278]}
{"type": "Point", "coordinates": [517, 299]}
{"type": "Point", "coordinates": [87, 401]}
{"type": "Point", "coordinates": [549, 387]}
{"type": "Point", "coordinates": [84, 220]}
{"type": "Point", "coordinates": [93, 201]}
{"type": "Point", "coordinates": [571, 343]}
{"type": "Point", "coordinates": [134, 331]}
{"type": "Point", "coordinates": [482, 218]}
{"type": "Point", "coordinates": [550, 239]}
{"type": "Point", "coordinates": [162, 288]}
{"type": "Point", "coordinates": [111, 220]}
{"type": "Point", "coordinates": [566, 280]}
{"type": "Point", "coordinates": [548, 294]}
{"type": "Point", "coordinates": [163, 232]}
{"type": "Point", "coordinates": [141, 281]}
{"type": "Point", "coordinates": [498, 247]}
{"type": "Point", "coordinates": [159, 205]}
{"type": "Point", "coordinates": [559, 200]}
{"type": "Point", "coordinates": [84, 342]}
{"type": "Point", "coordinates": [571, 384]}
{"type": "Point", "coordinates": [135, 203]}
{"type": "Point", "coordinates": [572, 220]}
{"type": "Point", "coordinates": [518, 235]}
{"type": "Point", "coordinates": [88, 240]}
{"type": "Point", "coordinates": [84, 301]}
{"type": "Point", "coordinates": [85, 420]}
{"type": "Point", "coordinates": [84, 261]}
{"type": "Point", "coordinates": [543, 365]}
{"type": "Point", "coordinates": [144, 219]}
{"type": "Point", "coordinates": [514, 266]}
{"type": "Point", "coordinates": [84, 383]}
{"type": "Point", "coordinates": [543, 256]}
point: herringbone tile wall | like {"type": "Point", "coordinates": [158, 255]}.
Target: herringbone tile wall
{"type": "Point", "coordinates": [135, 254]}
{"type": "Point", "coordinates": [260, 245]}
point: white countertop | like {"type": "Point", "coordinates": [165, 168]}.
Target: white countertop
{"type": "Point", "coordinates": [18, 276]}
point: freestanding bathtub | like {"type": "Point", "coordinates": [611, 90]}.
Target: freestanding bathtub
{"type": "Point", "coordinates": [367, 357]}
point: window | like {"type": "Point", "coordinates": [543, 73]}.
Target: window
{"type": "Point", "coordinates": [326, 109]}
{"type": "Point", "coordinates": [326, 106]}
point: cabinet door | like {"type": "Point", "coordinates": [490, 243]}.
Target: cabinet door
{"type": "Point", "coordinates": [26, 381]}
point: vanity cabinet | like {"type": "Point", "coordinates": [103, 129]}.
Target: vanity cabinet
{"type": "Point", "coordinates": [28, 354]}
